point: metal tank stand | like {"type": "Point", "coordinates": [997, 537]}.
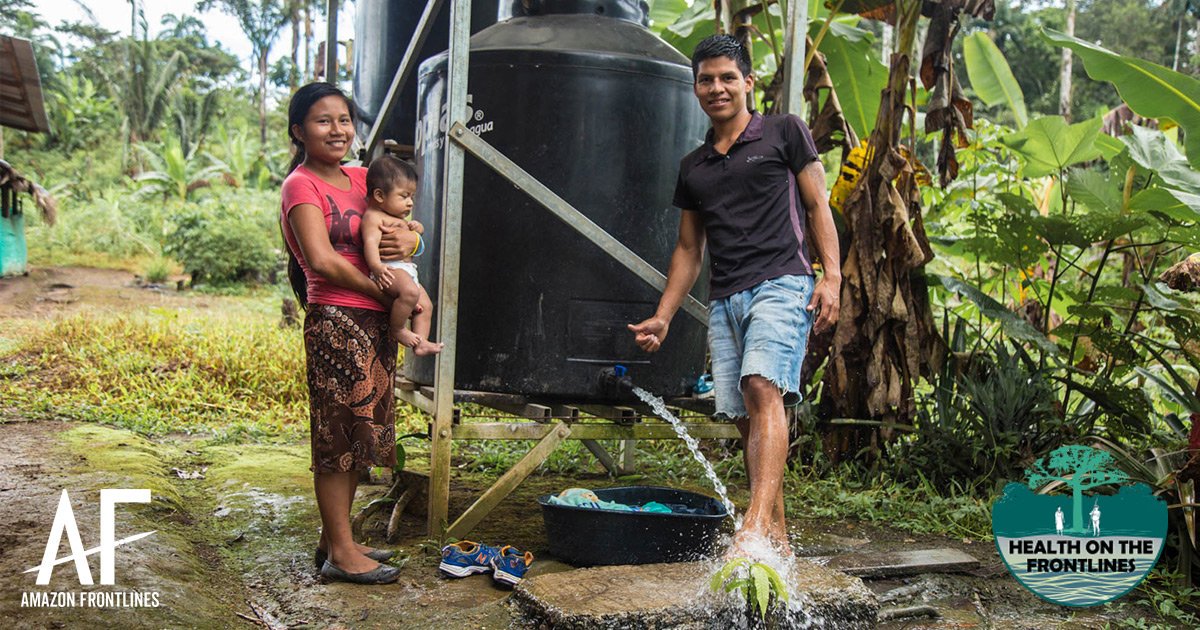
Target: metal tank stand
{"type": "Point", "coordinates": [557, 424]}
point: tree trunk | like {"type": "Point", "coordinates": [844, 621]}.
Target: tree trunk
{"type": "Point", "coordinates": [1064, 84]}
{"type": "Point", "coordinates": [294, 76]}
{"type": "Point", "coordinates": [262, 96]}
{"type": "Point", "coordinates": [308, 41]}
{"type": "Point", "coordinates": [1178, 42]}
{"type": "Point", "coordinates": [1077, 526]}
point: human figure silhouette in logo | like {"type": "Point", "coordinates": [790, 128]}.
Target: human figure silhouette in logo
{"type": "Point", "coordinates": [1096, 519]}
{"type": "Point", "coordinates": [1058, 521]}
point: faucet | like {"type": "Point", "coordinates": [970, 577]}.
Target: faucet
{"type": "Point", "coordinates": [615, 382]}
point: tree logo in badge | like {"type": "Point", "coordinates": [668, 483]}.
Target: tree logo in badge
{"type": "Point", "coordinates": [1079, 549]}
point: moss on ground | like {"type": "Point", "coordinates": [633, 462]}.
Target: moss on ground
{"type": "Point", "coordinates": [278, 468]}
{"type": "Point", "coordinates": [116, 453]}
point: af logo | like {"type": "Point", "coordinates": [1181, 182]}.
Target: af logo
{"type": "Point", "coordinates": [64, 522]}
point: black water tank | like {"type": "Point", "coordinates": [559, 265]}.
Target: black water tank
{"type": "Point", "coordinates": [382, 30]}
{"type": "Point", "coordinates": [582, 96]}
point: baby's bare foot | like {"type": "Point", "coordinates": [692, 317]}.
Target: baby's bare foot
{"type": "Point", "coordinates": [426, 348]}
{"type": "Point", "coordinates": [407, 338]}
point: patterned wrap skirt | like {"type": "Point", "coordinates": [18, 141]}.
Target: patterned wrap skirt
{"type": "Point", "coordinates": [351, 365]}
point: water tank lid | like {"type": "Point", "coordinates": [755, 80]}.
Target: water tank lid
{"type": "Point", "coordinates": [636, 11]}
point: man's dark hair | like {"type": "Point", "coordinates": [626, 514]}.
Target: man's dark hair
{"type": "Point", "coordinates": [721, 46]}
{"type": "Point", "coordinates": [387, 172]}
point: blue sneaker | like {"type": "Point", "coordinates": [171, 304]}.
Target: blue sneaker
{"type": "Point", "coordinates": [510, 565]}
{"type": "Point", "coordinates": [465, 558]}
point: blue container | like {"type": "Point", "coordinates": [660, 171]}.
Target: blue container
{"type": "Point", "coordinates": [589, 536]}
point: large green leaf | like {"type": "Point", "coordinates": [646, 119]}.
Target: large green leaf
{"type": "Point", "coordinates": [1049, 144]}
{"type": "Point", "coordinates": [857, 73]}
{"type": "Point", "coordinates": [1094, 190]}
{"type": "Point", "coordinates": [1148, 88]}
{"type": "Point", "coordinates": [1013, 326]}
{"type": "Point", "coordinates": [1174, 204]}
{"type": "Point", "coordinates": [992, 78]}
{"type": "Point", "coordinates": [664, 13]}
{"type": "Point", "coordinates": [696, 23]}
{"type": "Point", "coordinates": [1153, 150]}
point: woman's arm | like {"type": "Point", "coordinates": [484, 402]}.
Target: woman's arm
{"type": "Point", "coordinates": [308, 225]}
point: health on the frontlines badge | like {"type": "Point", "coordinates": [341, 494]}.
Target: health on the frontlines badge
{"type": "Point", "coordinates": [1080, 549]}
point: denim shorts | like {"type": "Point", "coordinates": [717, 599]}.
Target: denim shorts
{"type": "Point", "coordinates": [761, 331]}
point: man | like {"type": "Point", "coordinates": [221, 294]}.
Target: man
{"type": "Point", "coordinates": [754, 193]}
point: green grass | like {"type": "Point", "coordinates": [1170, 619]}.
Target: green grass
{"type": "Point", "coordinates": [921, 509]}
{"type": "Point", "coordinates": [233, 372]}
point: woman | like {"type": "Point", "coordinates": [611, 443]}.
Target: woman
{"type": "Point", "coordinates": [350, 359]}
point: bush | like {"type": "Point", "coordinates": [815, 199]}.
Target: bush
{"type": "Point", "coordinates": [993, 412]}
{"type": "Point", "coordinates": [226, 238]}
{"type": "Point", "coordinates": [109, 231]}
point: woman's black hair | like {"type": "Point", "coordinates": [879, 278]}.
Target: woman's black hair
{"type": "Point", "coordinates": [301, 102]}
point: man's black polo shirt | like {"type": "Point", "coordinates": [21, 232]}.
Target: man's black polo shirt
{"type": "Point", "coordinates": [749, 200]}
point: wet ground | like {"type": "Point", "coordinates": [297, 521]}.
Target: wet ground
{"type": "Point", "coordinates": [235, 525]}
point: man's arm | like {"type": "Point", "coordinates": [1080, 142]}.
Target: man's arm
{"type": "Point", "coordinates": [826, 295]}
{"type": "Point", "coordinates": [682, 274]}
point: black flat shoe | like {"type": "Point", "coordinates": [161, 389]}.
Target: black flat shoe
{"type": "Point", "coordinates": [382, 574]}
{"type": "Point", "coordinates": [378, 555]}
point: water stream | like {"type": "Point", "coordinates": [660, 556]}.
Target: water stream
{"type": "Point", "coordinates": [660, 409]}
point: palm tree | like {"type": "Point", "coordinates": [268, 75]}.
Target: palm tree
{"type": "Point", "coordinates": [260, 21]}
{"type": "Point", "coordinates": [172, 171]}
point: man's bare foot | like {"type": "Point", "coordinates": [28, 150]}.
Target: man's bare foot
{"type": "Point", "coordinates": [750, 543]}
{"type": "Point", "coordinates": [426, 348]}
{"type": "Point", "coordinates": [783, 545]}
{"type": "Point", "coordinates": [406, 338]}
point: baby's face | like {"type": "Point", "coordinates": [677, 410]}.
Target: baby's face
{"type": "Point", "coordinates": [399, 202]}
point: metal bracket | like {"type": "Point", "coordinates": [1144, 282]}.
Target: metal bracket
{"type": "Point", "coordinates": [403, 71]}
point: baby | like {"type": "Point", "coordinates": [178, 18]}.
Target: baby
{"type": "Point", "coordinates": [391, 185]}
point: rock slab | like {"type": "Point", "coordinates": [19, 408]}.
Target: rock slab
{"type": "Point", "coordinates": [677, 596]}
{"type": "Point", "coordinates": [904, 563]}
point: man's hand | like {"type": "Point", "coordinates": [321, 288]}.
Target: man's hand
{"type": "Point", "coordinates": [651, 333]}
{"type": "Point", "coordinates": [383, 276]}
{"type": "Point", "coordinates": [826, 300]}
{"type": "Point", "coordinates": [416, 226]}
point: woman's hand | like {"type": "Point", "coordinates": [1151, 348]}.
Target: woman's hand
{"type": "Point", "coordinates": [396, 244]}
{"type": "Point", "coordinates": [308, 224]}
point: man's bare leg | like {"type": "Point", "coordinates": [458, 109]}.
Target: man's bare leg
{"type": "Point", "coordinates": [766, 444]}
{"type": "Point", "coordinates": [778, 535]}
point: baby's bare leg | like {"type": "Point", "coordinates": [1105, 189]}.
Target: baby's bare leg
{"type": "Point", "coordinates": [407, 294]}
{"type": "Point", "coordinates": [422, 322]}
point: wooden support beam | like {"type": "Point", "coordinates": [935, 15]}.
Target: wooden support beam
{"type": "Point", "coordinates": [603, 457]}
{"type": "Point", "coordinates": [593, 431]}
{"type": "Point", "coordinates": [628, 454]}
{"type": "Point", "coordinates": [415, 398]}
{"type": "Point", "coordinates": [508, 482]}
